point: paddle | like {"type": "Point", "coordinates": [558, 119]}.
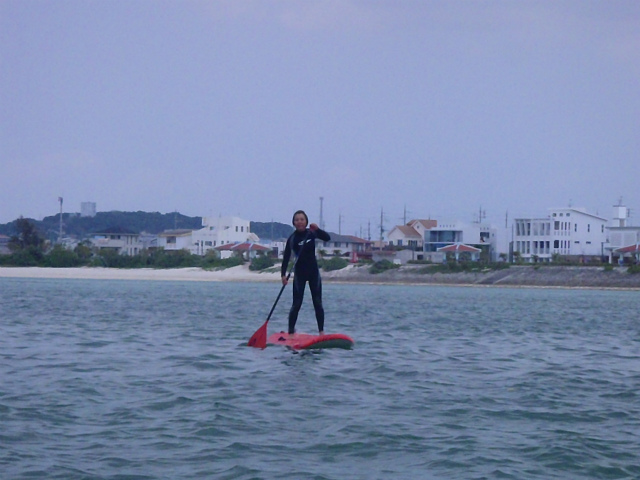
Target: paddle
{"type": "Point", "coordinates": [259, 339]}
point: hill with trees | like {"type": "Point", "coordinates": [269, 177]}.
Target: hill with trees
{"type": "Point", "coordinates": [149, 222]}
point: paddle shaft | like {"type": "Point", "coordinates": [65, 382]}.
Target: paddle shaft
{"type": "Point", "coordinates": [288, 276]}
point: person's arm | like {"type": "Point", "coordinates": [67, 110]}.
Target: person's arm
{"type": "Point", "coordinates": [319, 233]}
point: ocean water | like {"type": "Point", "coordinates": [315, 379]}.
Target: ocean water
{"type": "Point", "coordinates": [152, 380]}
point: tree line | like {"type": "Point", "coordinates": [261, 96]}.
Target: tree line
{"type": "Point", "coordinates": [73, 225]}
{"type": "Point", "coordinates": [29, 246]}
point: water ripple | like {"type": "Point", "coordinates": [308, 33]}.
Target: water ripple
{"type": "Point", "coordinates": [141, 380]}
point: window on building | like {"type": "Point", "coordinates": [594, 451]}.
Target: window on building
{"type": "Point", "coordinates": [556, 244]}
{"type": "Point", "coordinates": [588, 227]}
{"type": "Point", "coordinates": [556, 225]}
{"type": "Point", "coordinates": [236, 228]}
{"type": "Point", "coordinates": [575, 227]}
{"type": "Point", "coordinates": [568, 214]}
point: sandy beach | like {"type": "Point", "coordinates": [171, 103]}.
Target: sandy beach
{"type": "Point", "coordinates": [240, 273]}
{"type": "Point", "coordinates": [515, 276]}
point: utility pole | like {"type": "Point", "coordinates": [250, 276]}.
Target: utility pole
{"type": "Point", "coordinates": [60, 232]}
{"type": "Point", "coordinates": [340, 224]}
{"type": "Point", "coordinates": [404, 216]}
{"type": "Point", "coordinates": [482, 214]}
{"type": "Point", "coordinates": [381, 226]}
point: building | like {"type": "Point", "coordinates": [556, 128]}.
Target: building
{"type": "Point", "coordinates": [343, 245]}
{"type": "Point", "coordinates": [623, 242]}
{"type": "Point", "coordinates": [215, 231]}
{"type": "Point", "coordinates": [172, 240]}
{"type": "Point", "coordinates": [247, 250]}
{"type": "Point", "coordinates": [476, 235]}
{"type": "Point", "coordinates": [88, 209]}
{"type": "Point", "coordinates": [410, 235]}
{"type": "Point", "coordinates": [566, 232]}
{"type": "Point", "coordinates": [218, 231]}
{"type": "Point", "coordinates": [118, 239]}
{"type": "Point", "coordinates": [460, 250]}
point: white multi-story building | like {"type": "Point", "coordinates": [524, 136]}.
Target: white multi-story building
{"type": "Point", "coordinates": [87, 209]}
{"type": "Point", "coordinates": [568, 232]}
{"type": "Point", "coordinates": [479, 235]}
{"type": "Point", "coordinates": [118, 239]}
{"type": "Point", "coordinates": [623, 239]}
{"type": "Point", "coordinates": [410, 235]}
{"type": "Point", "coordinates": [180, 239]}
{"type": "Point", "coordinates": [215, 231]}
{"type": "Point", "coordinates": [218, 231]}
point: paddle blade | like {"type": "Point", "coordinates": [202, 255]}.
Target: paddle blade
{"type": "Point", "coordinates": [259, 339]}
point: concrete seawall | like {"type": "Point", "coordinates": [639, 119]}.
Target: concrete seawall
{"type": "Point", "coordinates": [521, 275]}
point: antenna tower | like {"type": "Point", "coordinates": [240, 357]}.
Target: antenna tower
{"type": "Point", "coordinates": [60, 232]}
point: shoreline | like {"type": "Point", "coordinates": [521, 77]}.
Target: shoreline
{"type": "Point", "coordinates": [514, 276]}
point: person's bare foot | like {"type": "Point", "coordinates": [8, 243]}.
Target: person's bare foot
{"type": "Point", "coordinates": [321, 332]}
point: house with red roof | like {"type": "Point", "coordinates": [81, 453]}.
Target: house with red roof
{"type": "Point", "coordinates": [459, 250]}
{"type": "Point", "coordinates": [623, 239]}
{"type": "Point", "coordinates": [247, 250]}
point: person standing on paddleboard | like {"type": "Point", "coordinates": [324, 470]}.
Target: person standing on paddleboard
{"type": "Point", "coordinates": [302, 242]}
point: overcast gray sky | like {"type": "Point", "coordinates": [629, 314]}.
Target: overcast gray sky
{"type": "Point", "coordinates": [257, 108]}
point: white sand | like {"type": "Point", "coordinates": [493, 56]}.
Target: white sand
{"type": "Point", "coordinates": [240, 273]}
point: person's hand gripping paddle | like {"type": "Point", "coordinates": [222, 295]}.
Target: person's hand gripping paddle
{"type": "Point", "coordinates": [259, 339]}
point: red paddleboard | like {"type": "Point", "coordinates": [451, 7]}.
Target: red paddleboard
{"type": "Point", "coordinates": [303, 341]}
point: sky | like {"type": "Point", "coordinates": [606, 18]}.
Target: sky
{"type": "Point", "coordinates": [389, 110]}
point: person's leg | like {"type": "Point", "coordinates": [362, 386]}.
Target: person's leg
{"type": "Point", "coordinates": [315, 286]}
{"type": "Point", "coordinates": [298, 295]}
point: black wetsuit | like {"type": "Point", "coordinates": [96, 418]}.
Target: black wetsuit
{"type": "Point", "coordinates": [306, 270]}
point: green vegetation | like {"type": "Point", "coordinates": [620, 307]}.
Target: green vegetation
{"type": "Point", "coordinates": [82, 227]}
{"type": "Point", "coordinates": [261, 262]}
{"type": "Point", "coordinates": [333, 263]}
{"type": "Point", "coordinates": [26, 245]}
{"type": "Point", "coordinates": [28, 249]}
{"type": "Point", "coordinates": [633, 269]}
{"type": "Point", "coordinates": [150, 222]}
{"type": "Point", "coordinates": [382, 266]}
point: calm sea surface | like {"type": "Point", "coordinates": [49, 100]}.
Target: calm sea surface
{"type": "Point", "coordinates": [152, 380]}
